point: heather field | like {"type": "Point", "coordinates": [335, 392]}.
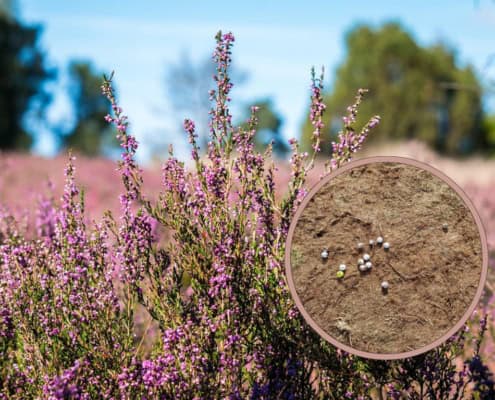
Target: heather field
{"type": "Point", "coordinates": [25, 179]}
{"type": "Point", "coordinates": [179, 291]}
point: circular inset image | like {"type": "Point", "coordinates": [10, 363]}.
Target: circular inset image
{"type": "Point", "coordinates": [386, 258]}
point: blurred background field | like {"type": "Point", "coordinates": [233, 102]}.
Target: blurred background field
{"type": "Point", "coordinates": [429, 68]}
{"type": "Point", "coordinates": [27, 178]}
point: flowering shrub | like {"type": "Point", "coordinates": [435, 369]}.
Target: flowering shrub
{"type": "Point", "coordinates": [227, 327]}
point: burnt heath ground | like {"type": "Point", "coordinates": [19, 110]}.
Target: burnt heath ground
{"type": "Point", "coordinates": [433, 266]}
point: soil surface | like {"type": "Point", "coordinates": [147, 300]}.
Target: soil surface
{"type": "Point", "coordinates": [433, 266]}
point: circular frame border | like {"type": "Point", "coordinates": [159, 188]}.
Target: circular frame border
{"type": "Point", "coordinates": [484, 250]}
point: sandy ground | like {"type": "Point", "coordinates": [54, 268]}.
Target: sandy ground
{"type": "Point", "coordinates": [432, 271]}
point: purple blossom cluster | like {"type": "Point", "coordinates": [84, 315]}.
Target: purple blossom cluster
{"type": "Point", "coordinates": [216, 289]}
{"type": "Point", "coordinates": [349, 140]}
{"type": "Point", "coordinates": [317, 109]}
{"type": "Point", "coordinates": [59, 306]}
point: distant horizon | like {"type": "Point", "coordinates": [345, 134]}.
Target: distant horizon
{"type": "Point", "coordinates": [277, 47]}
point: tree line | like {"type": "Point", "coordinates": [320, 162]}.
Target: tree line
{"type": "Point", "coordinates": [421, 92]}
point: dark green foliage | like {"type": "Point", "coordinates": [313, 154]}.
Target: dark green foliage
{"type": "Point", "coordinates": [421, 92]}
{"type": "Point", "coordinates": [489, 128]}
{"type": "Point", "coordinates": [22, 77]}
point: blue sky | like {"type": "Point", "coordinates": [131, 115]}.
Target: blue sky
{"type": "Point", "coordinates": [276, 43]}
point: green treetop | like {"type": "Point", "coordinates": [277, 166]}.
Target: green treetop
{"type": "Point", "coordinates": [420, 92]}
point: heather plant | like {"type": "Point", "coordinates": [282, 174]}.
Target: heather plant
{"type": "Point", "coordinates": [63, 331]}
{"type": "Point", "coordinates": [216, 291]}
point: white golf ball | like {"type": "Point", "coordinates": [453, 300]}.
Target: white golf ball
{"type": "Point", "coordinates": [366, 257]}
{"type": "Point", "coordinates": [342, 267]}
{"type": "Point", "coordinates": [363, 268]}
{"type": "Point", "coordinates": [379, 240]}
{"type": "Point", "coordinates": [372, 242]}
{"type": "Point", "coordinates": [384, 285]}
{"type": "Point", "coordinates": [324, 254]}
{"type": "Point", "coordinates": [386, 245]}
{"type": "Point", "coordinates": [368, 265]}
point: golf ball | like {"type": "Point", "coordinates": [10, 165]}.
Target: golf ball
{"type": "Point", "coordinates": [366, 257]}
{"type": "Point", "coordinates": [368, 265]}
{"type": "Point", "coordinates": [342, 267]}
{"type": "Point", "coordinates": [324, 254]}
{"type": "Point", "coordinates": [384, 285]}
{"type": "Point", "coordinates": [379, 240]}
{"type": "Point", "coordinates": [386, 245]}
